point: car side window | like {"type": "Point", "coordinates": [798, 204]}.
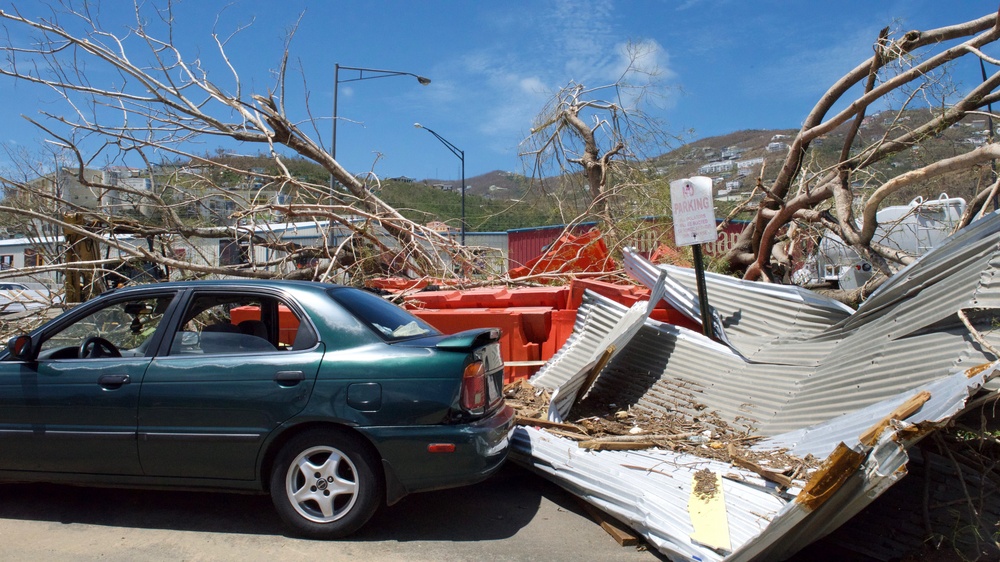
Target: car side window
{"type": "Point", "coordinates": [126, 325]}
{"type": "Point", "coordinates": [223, 323]}
{"type": "Point", "coordinates": [294, 335]}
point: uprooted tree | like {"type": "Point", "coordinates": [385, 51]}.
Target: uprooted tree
{"type": "Point", "coordinates": [159, 103]}
{"type": "Point", "coordinates": [590, 146]}
{"type": "Point", "coordinates": [907, 73]}
{"type": "Point", "coordinates": [599, 144]}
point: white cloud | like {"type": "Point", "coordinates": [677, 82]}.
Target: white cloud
{"type": "Point", "coordinates": [509, 76]}
{"type": "Point", "coordinates": [532, 85]}
{"type": "Point", "coordinates": [511, 112]}
{"type": "Point", "coordinates": [641, 58]}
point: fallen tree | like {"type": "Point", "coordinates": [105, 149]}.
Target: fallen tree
{"type": "Point", "coordinates": [136, 98]}
{"type": "Point", "coordinates": [808, 196]}
{"type": "Point", "coordinates": [590, 147]}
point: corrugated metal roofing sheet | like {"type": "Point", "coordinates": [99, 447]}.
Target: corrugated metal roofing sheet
{"type": "Point", "coordinates": [813, 392]}
{"type": "Point", "coordinates": [567, 374]}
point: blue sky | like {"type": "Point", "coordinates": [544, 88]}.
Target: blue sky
{"type": "Point", "coordinates": [725, 65]}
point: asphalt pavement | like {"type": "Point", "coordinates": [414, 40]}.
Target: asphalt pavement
{"type": "Point", "coordinates": [515, 515]}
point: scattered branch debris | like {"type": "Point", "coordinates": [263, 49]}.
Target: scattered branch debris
{"type": "Point", "coordinates": [612, 429]}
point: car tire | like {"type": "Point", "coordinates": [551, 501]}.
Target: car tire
{"type": "Point", "coordinates": [326, 484]}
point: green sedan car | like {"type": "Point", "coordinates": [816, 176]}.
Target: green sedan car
{"type": "Point", "coordinates": [329, 398]}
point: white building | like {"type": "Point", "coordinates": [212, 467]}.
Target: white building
{"type": "Point", "coordinates": [717, 167]}
{"type": "Point", "coordinates": [744, 165]}
{"type": "Point", "coordinates": [732, 152]}
{"type": "Point", "coordinates": [131, 198]}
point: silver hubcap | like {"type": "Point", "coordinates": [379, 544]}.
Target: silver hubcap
{"type": "Point", "coordinates": [322, 484]}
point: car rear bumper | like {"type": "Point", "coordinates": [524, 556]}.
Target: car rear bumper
{"type": "Point", "coordinates": [480, 448]}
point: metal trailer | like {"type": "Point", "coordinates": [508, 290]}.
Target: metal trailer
{"type": "Point", "coordinates": [915, 229]}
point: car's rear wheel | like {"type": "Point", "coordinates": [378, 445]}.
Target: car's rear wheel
{"type": "Point", "coordinates": [325, 484]}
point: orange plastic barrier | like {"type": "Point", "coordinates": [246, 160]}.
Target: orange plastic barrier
{"type": "Point", "coordinates": [288, 324]}
{"type": "Point", "coordinates": [523, 330]}
{"type": "Point", "coordinates": [556, 298]}
{"type": "Point", "coordinates": [562, 328]}
{"type": "Point", "coordinates": [668, 254]}
{"type": "Point", "coordinates": [671, 316]}
{"type": "Point", "coordinates": [569, 253]}
{"type": "Point", "coordinates": [490, 297]}
{"type": "Point", "coordinates": [485, 297]}
{"type": "Point", "coordinates": [397, 284]}
{"type": "Point", "coordinates": [535, 322]}
{"type": "Point", "coordinates": [622, 294]}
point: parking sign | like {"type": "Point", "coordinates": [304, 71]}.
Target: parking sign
{"type": "Point", "coordinates": [694, 211]}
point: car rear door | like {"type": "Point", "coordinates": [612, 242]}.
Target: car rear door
{"type": "Point", "coordinates": [209, 402]}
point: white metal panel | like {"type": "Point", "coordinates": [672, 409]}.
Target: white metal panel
{"type": "Point", "coordinates": [810, 392]}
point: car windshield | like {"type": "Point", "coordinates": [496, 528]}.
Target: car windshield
{"type": "Point", "coordinates": [392, 322]}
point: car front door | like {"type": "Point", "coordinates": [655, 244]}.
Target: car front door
{"type": "Point", "coordinates": [228, 379]}
{"type": "Point", "coordinates": [67, 412]}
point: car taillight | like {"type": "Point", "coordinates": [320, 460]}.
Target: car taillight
{"type": "Point", "coordinates": [474, 388]}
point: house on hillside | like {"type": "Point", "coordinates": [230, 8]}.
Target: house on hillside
{"type": "Point", "coordinates": [732, 152]}
{"type": "Point", "coordinates": [716, 167]}
{"type": "Point", "coordinates": [195, 195]}
{"type": "Point", "coordinates": [55, 193]}
{"type": "Point", "coordinates": [66, 184]}
{"type": "Point", "coordinates": [129, 200]}
{"type": "Point", "coordinates": [744, 165]}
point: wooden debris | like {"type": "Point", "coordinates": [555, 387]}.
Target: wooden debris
{"type": "Point", "coordinates": [596, 445]}
{"type": "Point", "coordinates": [592, 375]}
{"type": "Point", "coordinates": [575, 435]}
{"type": "Point", "coordinates": [905, 410]}
{"type": "Point", "coordinates": [539, 422]}
{"type": "Point", "coordinates": [629, 442]}
{"type": "Point", "coordinates": [599, 424]}
{"type": "Point", "coordinates": [774, 475]}
{"type": "Point", "coordinates": [622, 534]}
{"type": "Point", "coordinates": [646, 437]}
{"type": "Point", "coordinates": [835, 470]}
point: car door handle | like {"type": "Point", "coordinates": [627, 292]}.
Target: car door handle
{"type": "Point", "coordinates": [289, 378]}
{"type": "Point", "coordinates": [113, 381]}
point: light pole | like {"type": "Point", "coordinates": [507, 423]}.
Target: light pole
{"type": "Point", "coordinates": [373, 74]}
{"type": "Point", "coordinates": [461, 156]}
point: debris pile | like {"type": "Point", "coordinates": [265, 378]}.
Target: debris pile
{"type": "Point", "coordinates": [603, 426]}
{"type": "Point", "coordinates": [801, 410]}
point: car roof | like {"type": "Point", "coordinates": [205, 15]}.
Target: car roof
{"type": "Point", "coordinates": [284, 284]}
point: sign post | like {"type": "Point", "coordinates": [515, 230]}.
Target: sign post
{"type": "Point", "coordinates": [694, 225]}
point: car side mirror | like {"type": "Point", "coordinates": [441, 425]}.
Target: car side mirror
{"type": "Point", "coordinates": [20, 347]}
{"type": "Point", "coordinates": [190, 339]}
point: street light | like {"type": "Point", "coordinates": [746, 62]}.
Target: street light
{"type": "Point", "coordinates": [374, 73]}
{"type": "Point", "coordinates": [461, 156]}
